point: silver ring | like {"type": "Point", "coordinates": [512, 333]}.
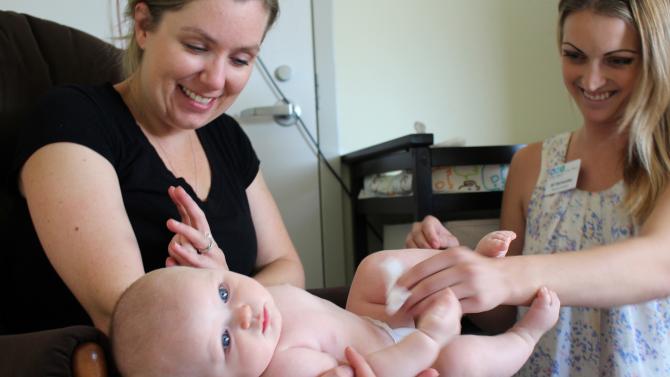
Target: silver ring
{"type": "Point", "coordinates": [205, 250]}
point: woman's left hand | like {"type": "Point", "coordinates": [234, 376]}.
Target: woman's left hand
{"type": "Point", "coordinates": [479, 282]}
{"type": "Point", "coordinates": [192, 244]}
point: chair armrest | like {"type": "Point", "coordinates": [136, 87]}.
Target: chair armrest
{"type": "Point", "coordinates": [55, 353]}
{"type": "Point", "coordinates": [89, 360]}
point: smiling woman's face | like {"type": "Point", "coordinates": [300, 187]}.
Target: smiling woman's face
{"type": "Point", "coordinates": [197, 60]}
{"type": "Point", "coordinates": [601, 60]}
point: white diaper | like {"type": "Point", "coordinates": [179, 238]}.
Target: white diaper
{"type": "Point", "coordinates": [396, 334]}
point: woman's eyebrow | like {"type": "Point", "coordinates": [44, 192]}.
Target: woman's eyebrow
{"type": "Point", "coordinates": [202, 33]}
{"type": "Point", "coordinates": [627, 50]}
{"type": "Point", "coordinates": [193, 29]}
{"type": "Point", "coordinates": [573, 46]}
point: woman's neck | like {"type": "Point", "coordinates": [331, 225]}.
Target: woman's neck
{"type": "Point", "coordinates": [596, 136]}
{"type": "Point", "coordinates": [602, 151]}
{"type": "Point", "coordinates": [133, 98]}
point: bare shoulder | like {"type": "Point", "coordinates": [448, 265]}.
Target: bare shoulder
{"type": "Point", "coordinates": [521, 179]}
{"type": "Point", "coordinates": [524, 169]}
{"type": "Point", "coordinates": [527, 157]}
{"type": "Point", "coordinates": [65, 164]}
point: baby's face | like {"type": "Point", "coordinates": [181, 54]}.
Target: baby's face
{"type": "Point", "coordinates": [232, 324]}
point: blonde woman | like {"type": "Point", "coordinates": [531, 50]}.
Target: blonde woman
{"type": "Point", "coordinates": [94, 169]}
{"type": "Point", "coordinates": [591, 207]}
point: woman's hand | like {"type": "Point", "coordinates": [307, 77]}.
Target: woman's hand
{"type": "Point", "coordinates": [192, 244]}
{"type": "Point", "coordinates": [359, 367]}
{"type": "Point", "coordinates": [479, 282]}
{"type": "Point", "coordinates": [430, 234]}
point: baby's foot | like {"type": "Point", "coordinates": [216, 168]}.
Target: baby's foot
{"type": "Point", "coordinates": [541, 316]}
{"type": "Point", "coordinates": [442, 318]}
{"type": "Point", "coordinates": [495, 244]}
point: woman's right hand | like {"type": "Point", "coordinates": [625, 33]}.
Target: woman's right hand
{"type": "Point", "coordinates": [192, 244]}
{"type": "Point", "coordinates": [479, 282]}
{"type": "Point", "coordinates": [430, 234]}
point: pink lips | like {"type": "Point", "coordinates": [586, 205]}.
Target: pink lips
{"type": "Point", "coordinates": [266, 319]}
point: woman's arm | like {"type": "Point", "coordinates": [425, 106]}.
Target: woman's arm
{"type": "Point", "coordinates": [75, 203]}
{"type": "Point", "coordinates": [627, 272]}
{"type": "Point", "coordinates": [521, 179]}
{"type": "Point", "coordinates": [277, 261]}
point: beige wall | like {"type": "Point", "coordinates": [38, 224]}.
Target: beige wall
{"type": "Point", "coordinates": [484, 70]}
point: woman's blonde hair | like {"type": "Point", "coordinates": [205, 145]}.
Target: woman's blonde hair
{"type": "Point", "coordinates": [647, 114]}
{"type": "Point", "coordinates": [157, 8]}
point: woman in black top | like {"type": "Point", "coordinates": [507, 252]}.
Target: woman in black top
{"type": "Point", "coordinates": [96, 164]}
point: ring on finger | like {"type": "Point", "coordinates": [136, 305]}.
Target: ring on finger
{"type": "Point", "coordinates": [210, 243]}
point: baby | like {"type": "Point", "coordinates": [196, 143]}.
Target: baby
{"type": "Point", "coordinates": [183, 321]}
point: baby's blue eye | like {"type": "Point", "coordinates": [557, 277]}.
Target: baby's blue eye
{"type": "Point", "coordinates": [225, 340]}
{"type": "Point", "coordinates": [223, 293]}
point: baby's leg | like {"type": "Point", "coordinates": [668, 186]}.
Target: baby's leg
{"type": "Point", "coordinates": [441, 320]}
{"type": "Point", "coordinates": [495, 244]}
{"type": "Point", "coordinates": [416, 352]}
{"type": "Point", "coordinates": [504, 354]}
{"type": "Point", "coordinates": [367, 295]}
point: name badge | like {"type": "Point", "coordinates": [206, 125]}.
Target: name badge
{"type": "Point", "coordinates": [562, 177]}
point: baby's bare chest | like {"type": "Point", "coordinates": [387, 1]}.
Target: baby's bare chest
{"type": "Point", "coordinates": [310, 322]}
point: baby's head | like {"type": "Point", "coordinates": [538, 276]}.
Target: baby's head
{"type": "Point", "coordinates": [183, 321]}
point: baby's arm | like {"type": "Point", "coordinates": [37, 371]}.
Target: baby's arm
{"type": "Point", "coordinates": [418, 351]}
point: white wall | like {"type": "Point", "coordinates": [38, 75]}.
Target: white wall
{"type": "Point", "coordinates": [484, 70]}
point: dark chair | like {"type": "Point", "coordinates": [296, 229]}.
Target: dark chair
{"type": "Point", "coordinates": [36, 54]}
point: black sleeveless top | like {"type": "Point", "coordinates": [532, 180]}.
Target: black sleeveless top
{"type": "Point", "coordinates": [33, 295]}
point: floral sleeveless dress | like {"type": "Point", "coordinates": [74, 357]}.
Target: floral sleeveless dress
{"type": "Point", "coordinates": [631, 340]}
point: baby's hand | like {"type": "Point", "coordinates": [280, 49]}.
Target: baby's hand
{"type": "Point", "coordinates": [495, 244]}
{"type": "Point", "coordinates": [442, 318]}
